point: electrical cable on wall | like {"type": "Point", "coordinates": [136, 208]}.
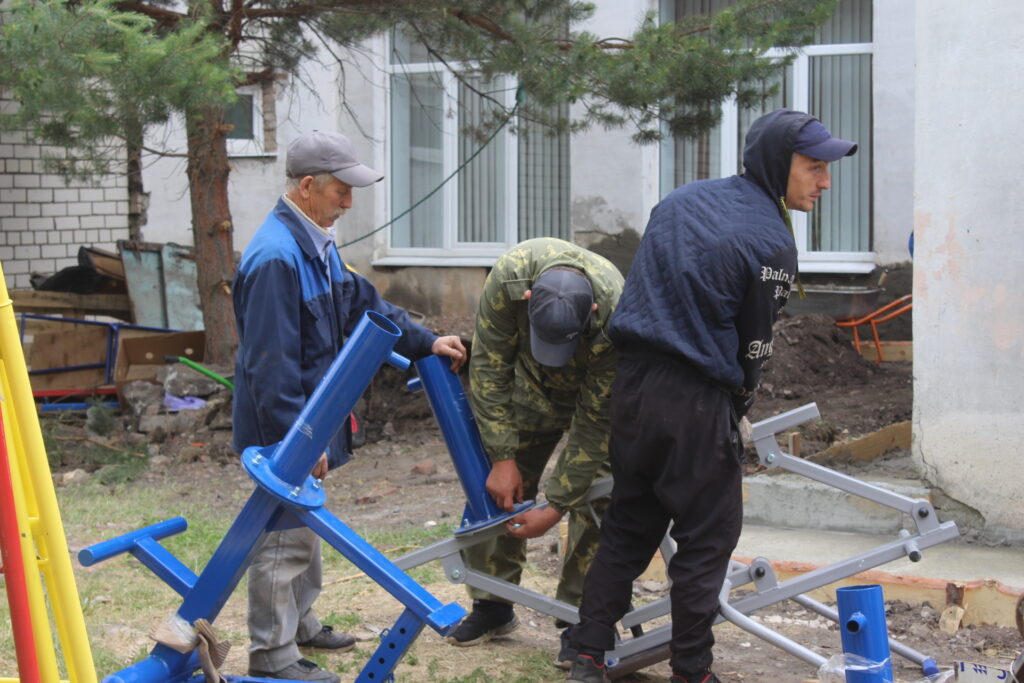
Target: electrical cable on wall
{"type": "Point", "coordinates": [512, 112]}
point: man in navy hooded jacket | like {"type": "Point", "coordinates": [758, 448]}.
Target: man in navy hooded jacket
{"type": "Point", "coordinates": [295, 303]}
{"type": "Point", "coordinates": [693, 326]}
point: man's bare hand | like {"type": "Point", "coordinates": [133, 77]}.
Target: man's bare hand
{"type": "Point", "coordinates": [533, 523]}
{"type": "Point", "coordinates": [452, 347]}
{"type": "Point", "coordinates": [505, 484]}
{"type": "Point", "coordinates": [320, 468]}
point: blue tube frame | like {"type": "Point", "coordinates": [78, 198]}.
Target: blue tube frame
{"type": "Point", "coordinates": [864, 632]}
{"type": "Point", "coordinates": [455, 417]}
{"type": "Point", "coordinates": [286, 495]}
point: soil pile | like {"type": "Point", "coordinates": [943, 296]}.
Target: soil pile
{"type": "Point", "coordinates": [810, 352]}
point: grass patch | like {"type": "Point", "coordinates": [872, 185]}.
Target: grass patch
{"type": "Point", "coordinates": [527, 666]}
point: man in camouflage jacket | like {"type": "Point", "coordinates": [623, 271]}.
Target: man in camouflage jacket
{"type": "Point", "coordinates": [526, 394]}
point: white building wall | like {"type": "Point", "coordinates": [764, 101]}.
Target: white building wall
{"type": "Point", "coordinates": [893, 92]}
{"type": "Point", "coordinates": [44, 220]}
{"type": "Point", "coordinates": [256, 182]}
{"type": "Point", "coordinates": [614, 182]}
{"type": "Point", "coordinates": [969, 263]}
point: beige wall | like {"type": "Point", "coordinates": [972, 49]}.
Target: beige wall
{"type": "Point", "coordinates": [969, 262]}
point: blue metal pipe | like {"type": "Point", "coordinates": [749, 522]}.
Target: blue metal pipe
{"type": "Point", "coordinates": [80, 405]}
{"type": "Point", "coordinates": [163, 665]}
{"type": "Point", "coordinates": [455, 418]}
{"type": "Point", "coordinates": [126, 542]}
{"type": "Point", "coordinates": [864, 632]}
{"type": "Point", "coordinates": [366, 350]}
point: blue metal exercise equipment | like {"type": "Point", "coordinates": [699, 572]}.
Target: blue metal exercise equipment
{"type": "Point", "coordinates": [448, 400]}
{"type": "Point", "coordinates": [285, 497]}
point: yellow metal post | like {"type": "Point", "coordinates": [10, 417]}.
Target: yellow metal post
{"type": "Point", "coordinates": [54, 560]}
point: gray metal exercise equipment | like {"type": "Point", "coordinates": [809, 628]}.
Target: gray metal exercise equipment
{"type": "Point", "coordinates": [646, 647]}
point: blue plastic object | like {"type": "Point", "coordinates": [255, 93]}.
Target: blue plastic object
{"type": "Point", "coordinates": [286, 496]}
{"type": "Point", "coordinates": [864, 632]}
{"type": "Point", "coordinates": [454, 416]}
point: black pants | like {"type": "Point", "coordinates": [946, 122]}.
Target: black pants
{"type": "Point", "coordinates": [675, 456]}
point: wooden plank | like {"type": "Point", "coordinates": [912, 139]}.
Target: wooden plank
{"type": "Point", "coordinates": [891, 351]}
{"type": "Point", "coordinates": [78, 305]}
{"type": "Point", "coordinates": [868, 447]}
{"type": "Point", "coordinates": [74, 345]}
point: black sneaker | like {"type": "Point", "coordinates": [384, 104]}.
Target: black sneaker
{"type": "Point", "coordinates": [329, 639]}
{"type": "Point", "coordinates": [585, 669]}
{"type": "Point", "coordinates": [566, 653]}
{"type": "Point", "coordinates": [483, 624]}
{"type": "Point", "coordinates": [704, 676]}
{"type": "Point", "coordinates": [302, 670]}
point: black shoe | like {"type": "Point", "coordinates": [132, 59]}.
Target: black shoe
{"type": "Point", "coordinates": [704, 676]}
{"type": "Point", "coordinates": [486, 621]}
{"type": "Point", "coordinates": [586, 670]}
{"type": "Point", "coordinates": [302, 670]}
{"type": "Point", "coordinates": [329, 639]}
{"type": "Point", "coordinates": [566, 653]}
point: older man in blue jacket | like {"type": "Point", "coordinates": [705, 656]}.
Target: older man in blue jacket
{"type": "Point", "coordinates": [693, 326]}
{"type": "Point", "coordinates": [295, 303]}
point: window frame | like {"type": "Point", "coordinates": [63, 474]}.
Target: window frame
{"type": "Point", "coordinates": [256, 146]}
{"type": "Point", "coordinates": [452, 252]}
{"type": "Point", "coordinates": [851, 262]}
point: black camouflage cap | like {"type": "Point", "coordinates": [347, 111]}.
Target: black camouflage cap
{"type": "Point", "coordinates": [560, 305]}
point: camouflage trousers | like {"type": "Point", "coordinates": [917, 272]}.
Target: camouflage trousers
{"type": "Point", "coordinates": [505, 556]}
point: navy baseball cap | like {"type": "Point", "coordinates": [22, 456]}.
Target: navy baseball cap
{"type": "Point", "coordinates": [561, 300]}
{"type": "Point", "coordinates": [326, 152]}
{"type": "Point", "coordinates": [814, 140]}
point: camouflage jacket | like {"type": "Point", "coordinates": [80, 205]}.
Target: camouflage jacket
{"type": "Point", "coordinates": [510, 391]}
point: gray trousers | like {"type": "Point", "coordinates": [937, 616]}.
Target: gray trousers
{"type": "Point", "coordinates": [284, 580]}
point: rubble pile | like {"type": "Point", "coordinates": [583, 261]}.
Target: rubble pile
{"type": "Point", "coordinates": [186, 412]}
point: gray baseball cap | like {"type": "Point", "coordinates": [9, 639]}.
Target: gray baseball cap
{"type": "Point", "coordinates": [325, 152]}
{"type": "Point", "coordinates": [561, 300]}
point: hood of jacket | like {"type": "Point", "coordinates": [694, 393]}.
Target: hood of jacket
{"type": "Point", "coordinates": [769, 150]}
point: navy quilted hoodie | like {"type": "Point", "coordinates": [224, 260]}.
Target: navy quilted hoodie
{"type": "Point", "coordinates": [715, 265]}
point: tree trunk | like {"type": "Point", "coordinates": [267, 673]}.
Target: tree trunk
{"type": "Point", "coordinates": [212, 230]}
{"type": "Point", "coordinates": [138, 198]}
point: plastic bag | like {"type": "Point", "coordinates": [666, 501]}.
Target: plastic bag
{"type": "Point", "coordinates": [834, 670]}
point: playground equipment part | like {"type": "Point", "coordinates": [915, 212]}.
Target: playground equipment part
{"type": "Point", "coordinates": [286, 496]}
{"type": "Point", "coordinates": [647, 647]}
{"type": "Point", "coordinates": [444, 391]}
{"type": "Point", "coordinates": [40, 547]}
{"type": "Point", "coordinates": [863, 631]}
{"type": "Point", "coordinates": [13, 555]}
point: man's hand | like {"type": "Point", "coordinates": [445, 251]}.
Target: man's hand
{"type": "Point", "coordinates": [452, 347]}
{"type": "Point", "coordinates": [320, 468]}
{"type": "Point", "coordinates": [505, 484]}
{"type": "Point", "coordinates": [533, 523]}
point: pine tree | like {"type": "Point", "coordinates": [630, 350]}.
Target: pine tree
{"type": "Point", "coordinates": [89, 73]}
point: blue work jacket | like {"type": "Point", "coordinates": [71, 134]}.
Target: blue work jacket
{"type": "Point", "coordinates": [292, 321]}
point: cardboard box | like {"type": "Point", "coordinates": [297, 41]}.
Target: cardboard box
{"type": "Point", "coordinates": [61, 347]}
{"type": "Point", "coordinates": [140, 358]}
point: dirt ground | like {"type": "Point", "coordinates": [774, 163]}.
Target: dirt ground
{"type": "Point", "coordinates": [382, 489]}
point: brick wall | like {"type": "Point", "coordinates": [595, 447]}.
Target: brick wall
{"type": "Point", "coordinates": [44, 219]}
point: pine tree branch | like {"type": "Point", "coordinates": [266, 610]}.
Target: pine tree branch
{"type": "Point", "coordinates": [163, 16]}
